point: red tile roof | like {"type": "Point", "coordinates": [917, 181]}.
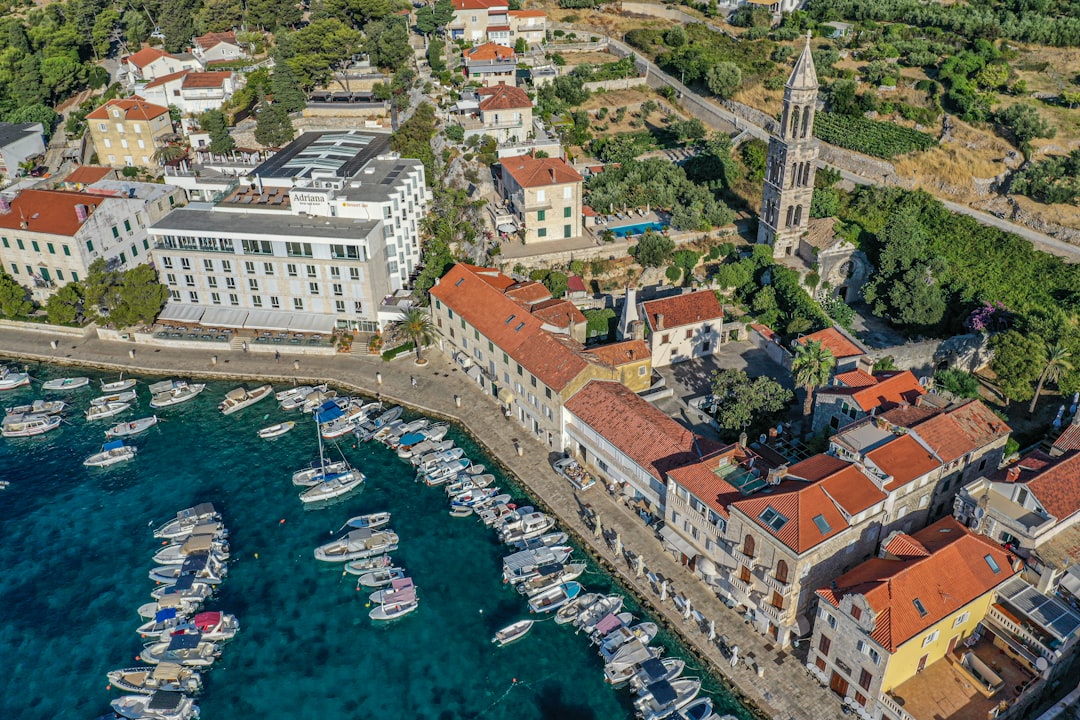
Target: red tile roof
{"type": "Point", "coordinates": [856, 379]}
{"type": "Point", "coordinates": [905, 547]}
{"type": "Point", "coordinates": [498, 28]}
{"type": "Point", "coordinates": [1069, 439]}
{"type": "Point", "coordinates": [685, 309]}
{"type": "Point", "coordinates": [890, 388]}
{"type": "Point", "coordinates": [488, 51]}
{"type": "Point", "coordinates": [146, 56]}
{"type": "Point", "coordinates": [503, 97]}
{"type": "Point", "coordinates": [836, 342]}
{"type": "Point", "coordinates": [478, 4]}
{"type": "Point", "coordinates": [527, 13]}
{"type": "Point", "coordinates": [528, 292]}
{"type": "Point", "coordinates": [904, 459]}
{"type": "Point", "coordinates": [130, 108]}
{"type": "Point", "coordinates": [646, 435]}
{"type": "Point", "coordinates": [156, 82]}
{"type": "Point", "coordinates": [954, 431]}
{"type": "Point", "coordinates": [492, 276]}
{"type": "Point", "coordinates": [558, 313]}
{"type": "Point", "coordinates": [1057, 488]}
{"type": "Point", "coordinates": [209, 40]}
{"type": "Point", "coordinates": [701, 478]}
{"type": "Point", "coordinates": [530, 172]}
{"type": "Point", "coordinates": [621, 353]}
{"type": "Point", "coordinates": [212, 79]}
{"type": "Point", "coordinates": [952, 575]}
{"type": "Point", "coordinates": [86, 174]}
{"type": "Point", "coordinates": [48, 211]}
{"type": "Point", "coordinates": [575, 284]}
{"type": "Point", "coordinates": [816, 467]}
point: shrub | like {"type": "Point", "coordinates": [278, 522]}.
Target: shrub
{"type": "Point", "coordinates": [673, 274]}
{"type": "Point", "coordinates": [958, 382]}
{"type": "Point", "coordinates": [872, 137]}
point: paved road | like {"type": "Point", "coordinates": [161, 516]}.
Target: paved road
{"type": "Point", "coordinates": [783, 691]}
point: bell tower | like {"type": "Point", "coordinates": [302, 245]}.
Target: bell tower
{"type": "Point", "coordinates": [791, 164]}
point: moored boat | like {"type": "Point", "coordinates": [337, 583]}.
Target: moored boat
{"type": "Point", "coordinates": [625, 663]}
{"type": "Point", "coordinates": [240, 398]}
{"type": "Point", "coordinates": [298, 398]}
{"type": "Point", "coordinates": [188, 650]}
{"type": "Point", "coordinates": [654, 670]}
{"type": "Point", "coordinates": [460, 511]}
{"type": "Point", "coordinates": [177, 552]}
{"type": "Point", "coordinates": [11, 379]}
{"type": "Point", "coordinates": [555, 597]}
{"type": "Point", "coordinates": [370, 520]}
{"type": "Point", "coordinates": [173, 392]}
{"type": "Point", "coordinates": [358, 544]}
{"type": "Point", "coordinates": [274, 431]}
{"type": "Point", "coordinates": [100, 412]}
{"type": "Point", "coordinates": [531, 526]}
{"type": "Point", "coordinates": [148, 679]}
{"type": "Point", "coordinates": [205, 567]}
{"type": "Point", "coordinates": [398, 600]}
{"type": "Point", "coordinates": [332, 486]}
{"type": "Point", "coordinates": [512, 632]}
{"type": "Point", "coordinates": [111, 453]}
{"type": "Point", "coordinates": [592, 615]}
{"type": "Point", "coordinates": [664, 698]}
{"type": "Point", "coordinates": [69, 383]}
{"type": "Point", "coordinates": [520, 566]}
{"type": "Point", "coordinates": [568, 612]}
{"type": "Point", "coordinates": [132, 428]}
{"type": "Point", "coordinates": [425, 447]}
{"type": "Point", "coordinates": [213, 626]}
{"type": "Point", "coordinates": [380, 577]}
{"type": "Point", "coordinates": [186, 520]}
{"type": "Point", "coordinates": [162, 705]}
{"type": "Point", "coordinates": [116, 397]}
{"type": "Point", "coordinates": [317, 470]}
{"type": "Point", "coordinates": [39, 407]}
{"type": "Point", "coordinates": [28, 425]}
{"type": "Point", "coordinates": [548, 575]}
{"type": "Point", "coordinates": [117, 385]}
{"type": "Point", "coordinates": [300, 390]}
{"type": "Point", "coordinates": [363, 565]}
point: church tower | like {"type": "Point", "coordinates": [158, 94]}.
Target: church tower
{"type": "Point", "coordinates": [790, 168]}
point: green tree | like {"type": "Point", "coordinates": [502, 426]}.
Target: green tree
{"type": "Point", "coordinates": [273, 127]}
{"type": "Point", "coordinates": [599, 322]}
{"type": "Point", "coordinates": [432, 18]}
{"type": "Point", "coordinates": [959, 383]}
{"type": "Point", "coordinates": [556, 283]}
{"type": "Point", "coordinates": [906, 290]}
{"type": "Point", "coordinates": [1024, 123]}
{"type": "Point", "coordinates": [213, 122]}
{"type": "Point", "coordinates": [673, 273]}
{"type": "Point", "coordinates": [140, 297]}
{"type": "Point", "coordinates": [455, 133]}
{"type": "Point", "coordinates": [413, 139]}
{"type": "Point", "coordinates": [723, 79]}
{"type": "Point", "coordinates": [387, 43]}
{"type": "Point", "coordinates": [177, 22]}
{"type": "Point", "coordinates": [521, 46]}
{"type": "Point", "coordinates": [219, 15]}
{"type": "Point", "coordinates": [285, 88]}
{"type": "Point", "coordinates": [653, 250]}
{"type": "Point", "coordinates": [675, 37]}
{"type": "Point", "coordinates": [743, 403]}
{"type": "Point", "coordinates": [63, 306]}
{"type": "Point", "coordinates": [687, 260]}
{"type": "Point", "coordinates": [14, 298]}
{"type": "Point", "coordinates": [1018, 361]}
{"type": "Point", "coordinates": [688, 131]}
{"type": "Point", "coordinates": [273, 14]}
{"type": "Point", "coordinates": [1057, 364]}
{"type": "Point", "coordinates": [811, 368]}
{"type": "Point", "coordinates": [35, 113]}
{"type": "Point", "coordinates": [169, 153]}
{"type": "Point", "coordinates": [418, 327]}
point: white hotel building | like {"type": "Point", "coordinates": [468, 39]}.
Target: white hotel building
{"type": "Point", "coordinates": [327, 228]}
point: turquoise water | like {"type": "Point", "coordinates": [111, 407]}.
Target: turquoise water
{"type": "Point", "coordinates": [75, 549]}
{"type": "Point", "coordinates": [638, 229]}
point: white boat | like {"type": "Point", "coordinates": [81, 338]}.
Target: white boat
{"type": "Point", "coordinates": [445, 473]}
{"type": "Point", "coordinates": [164, 676]}
{"type": "Point", "coordinates": [337, 428]}
{"type": "Point", "coordinates": [664, 698]}
{"type": "Point", "coordinates": [654, 670]}
{"type": "Point", "coordinates": [186, 520]}
{"type": "Point", "coordinates": [164, 621]}
{"type": "Point", "coordinates": [425, 447]}
{"type": "Point", "coordinates": [569, 612]}
{"type": "Point", "coordinates": [117, 385]}
{"type": "Point", "coordinates": [177, 552]}
{"type": "Point", "coordinates": [186, 589]}
{"type": "Point", "coordinates": [370, 520]}
{"type": "Point", "coordinates": [134, 427]}
{"type": "Point", "coordinates": [300, 390]}
{"type": "Point", "coordinates": [240, 398]}
{"type": "Point", "coordinates": [380, 577]}
{"type": "Point", "coordinates": [358, 544]}
{"type": "Point", "coordinates": [184, 606]}
{"type": "Point", "coordinates": [299, 396]}
{"type": "Point", "coordinates": [316, 399]}
{"type": "Point", "coordinates": [614, 640]}
{"type": "Point", "coordinates": [100, 412]}
{"type": "Point", "coordinates": [162, 705]}
{"type": "Point", "coordinates": [466, 484]}
{"type": "Point", "coordinates": [432, 460]}
{"type": "Point", "coordinates": [460, 511]}
{"type": "Point", "coordinates": [701, 709]}
{"type": "Point", "coordinates": [532, 525]}
{"type": "Point", "coordinates": [275, 430]}
{"type": "Point", "coordinates": [332, 486]}
{"type": "Point", "coordinates": [571, 470]}
{"type": "Point", "coordinates": [173, 392]}
{"type": "Point", "coordinates": [545, 540]}
{"type": "Point", "coordinates": [363, 565]}
{"type": "Point", "coordinates": [188, 650]}
{"type": "Point", "coordinates": [204, 567]}
{"type": "Point", "coordinates": [11, 379]}
{"type": "Point", "coordinates": [512, 632]}
{"type": "Point", "coordinates": [314, 472]}
{"type": "Point", "coordinates": [28, 425]}
{"type": "Point", "coordinates": [406, 430]}
{"type": "Point", "coordinates": [476, 497]}
{"type": "Point", "coordinates": [627, 662]}
{"type": "Point", "coordinates": [71, 383]}
{"type": "Point", "coordinates": [555, 597]}
{"type": "Point", "coordinates": [111, 453]}
{"type": "Point", "coordinates": [548, 575]}
{"type": "Point", "coordinates": [400, 600]}
{"type": "Point", "coordinates": [368, 429]}
{"type": "Point", "coordinates": [116, 397]}
{"type": "Point", "coordinates": [214, 626]}
{"type": "Point", "coordinates": [589, 617]}
{"type": "Point", "coordinates": [520, 566]}
{"type": "Point", "coordinates": [39, 407]}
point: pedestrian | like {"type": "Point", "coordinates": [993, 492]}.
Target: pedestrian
{"type": "Point", "coordinates": [243, 346]}
{"type": "Point", "coordinates": [277, 355]}
{"type": "Point", "coordinates": [412, 380]}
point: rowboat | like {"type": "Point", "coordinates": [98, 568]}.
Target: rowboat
{"type": "Point", "coordinates": [132, 428]}
{"type": "Point", "coordinates": [99, 412]}
{"type": "Point", "coordinates": [72, 383]}
{"type": "Point", "coordinates": [274, 430]}
{"type": "Point", "coordinates": [117, 385]}
{"type": "Point", "coordinates": [513, 632]}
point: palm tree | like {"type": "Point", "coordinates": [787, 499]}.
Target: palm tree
{"type": "Point", "coordinates": [811, 368]}
{"type": "Point", "coordinates": [1057, 362]}
{"type": "Point", "coordinates": [419, 330]}
{"type": "Point", "coordinates": [169, 153]}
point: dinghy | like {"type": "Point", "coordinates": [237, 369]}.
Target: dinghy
{"type": "Point", "coordinates": [371, 520]}
{"type": "Point", "coordinates": [363, 565]}
{"type": "Point", "coordinates": [71, 383]}
{"type": "Point", "coordinates": [275, 430]}
{"type": "Point", "coordinates": [187, 650]}
{"type": "Point", "coordinates": [513, 632]}
{"type": "Point", "coordinates": [132, 428]}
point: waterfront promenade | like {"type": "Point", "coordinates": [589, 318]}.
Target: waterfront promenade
{"type": "Point", "coordinates": [782, 689]}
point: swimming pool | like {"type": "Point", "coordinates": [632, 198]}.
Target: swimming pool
{"type": "Point", "coordinates": [638, 229]}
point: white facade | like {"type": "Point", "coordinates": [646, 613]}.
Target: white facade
{"type": "Point", "coordinates": [18, 143]}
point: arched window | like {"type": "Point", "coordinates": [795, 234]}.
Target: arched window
{"type": "Point", "coordinates": [805, 179]}
{"type": "Point", "coordinates": [790, 217]}
{"type": "Point", "coordinates": [798, 214]}
{"type": "Point", "coordinates": [794, 122]}
{"type": "Point", "coordinates": [806, 128]}
{"type": "Point", "coordinates": [748, 546]}
{"type": "Point", "coordinates": [781, 571]}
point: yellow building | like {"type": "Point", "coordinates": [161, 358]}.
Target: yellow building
{"type": "Point", "coordinates": [127, 133]}
{"type": "Point", "coordinates": [914, 607]}
{"type": "Point", "coordinates": [546, 196]}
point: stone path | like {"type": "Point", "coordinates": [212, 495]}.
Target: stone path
{"type": "Point", "coordinates": [782, 689]}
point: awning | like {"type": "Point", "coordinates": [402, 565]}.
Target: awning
{"type": "Point", "coordinates": [803, 625]}
{"type": "Point", "coordinates": [507, 228]}
{"type": "Point", "coordinates": [181, 313]}
{"type": "Point", "coordinates": [474, 373]}
{"type": "Point", "coordinates": [268, 320]}
{"type": "Point", "coordinates": [675, 541]}
{"type": "Point", "coordinates": [506, 396]}
{"type": "Point", "coordinates": [467, 105]}
{"type": "Point", "coordinates": [224, 317]}
{"type": "Point", "coordinates": [1007, 637]}
{"type": "Point", "coordinates": [312, 323]}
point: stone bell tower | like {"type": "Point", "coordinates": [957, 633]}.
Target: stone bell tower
{"type": "Point", "coordinates": [790, 168]}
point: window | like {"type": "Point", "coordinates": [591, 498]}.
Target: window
{"type": "Point", "coordinates": [920, 607]}
{"type": "Point", "coordinates": [274, 302]}
{"type": "Point", "coordinates": [824, 645]}
{"type": "Point", "coordinates": [665, 338]}
{"type": "Point", "coordinates": [339, 306]}
{"type": "Point", "coordinates": [59, 275]}
{"type": "Point", "coordinates": [185, 263]}
{"type": "Point", "coordinates": [311, 272]}
{"type": "Point", "coordinates": [337, 289]}
{"type": "Point", "coordinates": [567, 212]}
{"type": "Point", "coordinates": [690, 334]}
{"type": "Point", "coordinates": [781, 571]}
{"type": "Point", "coordinates": [19, 242]}
{"type": "Point", "coordinates": [123, 258]}
{"type": "Point", "coordinates": [298, 303]}
{"type": "Point", "coordinates": [961, 619]}
{"type": "Point", "coordinates": [226, 266]}
{"type": "Point", "coordinates": [170, 279]}
{"type": "Point", "coordinates": [358, 307]}
{"type": "Point", "coordinates": [36, 247]}
{"type": "Point", "coordinates": [52, 250]}
{"type": "Point", "coordinates": [268, 268]}
{"type": "Point", "coordinates": [822, 524]}
{"type": "Point", "coordinates": [992, 563]}
{"type": "Point", "coordinates": [115, 232]}
{"type": "Point", "coordinates": [856, 612]}
{"type": "Point", "coordinates": [542, 232]}
{"type": "Point", "coordinates": [74, 276]}
{"type": "Point", "coordinates": [230, 283]}
{"type": "Point", "coordinates": [256, 300]}
{"type": "Point", "coordinates": [354, 273]}
{"type": "Point", "coordinates": [820, 663]}
{"type": "Point", "coordinates": [313, 288]}
{"type": "Point", "coordinates": [211, 281]}
{"type": "Point", "coordinates": [215, 298]}
{"type": "Point", "coordinates": [930, 638]}
{"type": "Point", "coordinates": [234, 299]}
{"type": "Point", "coordinates": [194, 296]}
{"type": "Point", "coordinates": [208, 265]}
{"type": "Point", "coordinates": [859, 698]}
{"type": "Point", "coordinates": [748, 546]}
{"type": "Point", "coordinates": [127, 226]}
{"type": "Point", "coordinates": [189, 280]}
{"type": "Point", "coordinates": [291, 270]}
{"type": "Point", "coordinates": [249, 267]}
{"type": "Point", "coordinates": [568, 231]}
{"type": "Point", "coordinates": [864, 679]}
{"type": "Point", "coordinates": [772, 519]}
{"type": "Point", "coordinates": [5, 241]}
{"type": "Point", "coordinates": [253, 284]}
{"type": "Point", "coordinates": [298, 249]}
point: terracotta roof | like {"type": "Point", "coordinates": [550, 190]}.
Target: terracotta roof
{"type": "Point", "coordinates": [1024, 469]}
{"type": "Point", "coordinates": [492, 276]}
{"type": "Point", "coordinates": [909, 416]}
{"type": "Point", "coordinates": [621, 353]}
{"type": "Point", "coordinates": [685, 309]}
{"type": "Point", "coordinates": [528, 292]}
{"type": "Point", "coordinates": [856, 379]}
{"type": "Point", "coordinates": [836, 342]}
{"type": "Point", "coordinates": [212, 79]}
{"type": "Point", "coordinates": [527, 13]}
{"type": "Point", "coordinates": [701, 478]}
{"type": "Point", "coordinates": [575, 284]}
{"type": "Point", "coordinates": [131, 108]}
{"type": "Point", "coordinates": [646, 435]}
{"type": "Point", "coordinates": [1069, 439]}
{"type": "Point", "coordinates": [1057, 488]}
{"type": "Point", "coordinates": [209, 40]}
{"type": "Point", "coordinates": [816, 467]}
{"type": "Point", "coordinates": [157, 82]}
{"type": "Point", "coordinates": [488, 51]}
{"type": "Point", "coordinates": [498, 28]}
{"type": "Point", "coordinates": [766, 332]}
{"type": "Point", "coordinates": [979, 423]}
{"type": "Point", "coordinates": [86, 174]}
{"type": "Point", "coordinates": [503, 97]}
{"type": "Point", "coordinates": [48, 211]}
{"type": "Point", "coordinates": [820, 233]}
{"type": "Point", "coordinates": [957, 432]}
{"type": "Point", "coordinates": [478, 4]}
{"type": "Point", "coordinates": [529, 171]}
{"type": "Point", "coordinates": [476, 297]}
{"type": "Point", "coordinates": [904, 547]}
{"type": "Point", "coordinates": [893, 387]}
{"type": "Point", "coordinates": [904, 459]}
{"type": "Point", "coordinates": [952, 574]}
{"type": "Point", "coordinates": [558, 312]}
{"type": "Point", "coordinates": [146, 56]}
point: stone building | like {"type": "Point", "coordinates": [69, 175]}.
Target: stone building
{"type": "Point", "coordinates": [127, 132]}
{"type": "Point", "coordinates": [857, 393]}
{"type": "Point", "coordinates": [546, 197]}
{"type": "Point", "coordinates": [683, 327]}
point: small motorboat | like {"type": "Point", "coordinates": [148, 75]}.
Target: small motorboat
{"type": "Point", "coordinates": [398, 600]}
{"type": "Point", "coordinates": [183, 606]}
{"type": "Point", "coordinates": [475, 497]}
{"type": "Point", "coordinates": [204, 567]}
{"type": "Point", "coordinates": [603, 607]}
{"type": "Point", "coordinates": [461, 511]}
{"type": "Point", "coordinates": [213, 626]}
{"type": "Point", "coordinates": [28, 425]}
{"type": "Point", "coordinates": [700, 709]}
{"type": "Point", "coordinates": [117, 385]}
{"type": "Point", "coordinates": [554, 598]}
{"type": "Point", "coordinates": [132, 428]}
{"type": "Point", "coordinates": [531, 526]}
{"type": "Point", "coordinates": [380, 577]}
{"type": "Point", "coordinates": [654, 670]}
{"type": "Point", "coordinates": [111, 453]}
{"type": "Point", "coordinates": [317, 470]}
{"type": "Point", "coordinates": [370, 520]}
{"type": "Point", "coordinates": [165, 620]}
{"type": "Point", "coordinates": [445, 472]}
{"type": "Point", "coordinates": [162, 705]}
{"type": "Point", "coordinates": [11, 379]}
{"type": "Point", "coordinates": [39, 407]}
{"type": "Point", "coordinates": [513, 632]}
{"type": "Point", "coordinates": [612, 641]}
{"type": "Point", "coordinates": [358, 544]}
{"type": "Point", "coordinates": [148, 679]}
{"type": "Point", "coordinates": [337, 428]}
{"type": "Point", "coordinates": [300, 396]}
{"type": "Point", "coordinates": [187, 650]}
{"type": "Point", "coordinates": [664, 698]}
{"type": "Point", "coordinates": [173, 392]}
{"type": "Point", "coordinates": [433, 459]}
{"type": "Point", "coordinates": [368, 429]}
{"type": "Point", "coordinates": [186, 520]}
{"type": "Point", "coordinates": [177, 552]}
{"type": "Point", "coordinates": [300, 390]}
{"type": "Point", "coordinates": [545, 540]}
{"type": "Point", "coordinates": [186, 588]}
{"type": "Point", "coordinates": [425, 447]}
{"type": "Point", "coordinates": [71, 383]}
{"type": "Point", "coordinates": [100, 412]}
{"type": "Point", "coordinates": [548, 575]}
{"type": "Point", "coordinates": [332, 486]}
{"type": "Point", "coordinates": [125, 396]}
{"type": "Point", "coordinates": [569, 612]}
{"type": "Point", "coordinates": [627, 662]}
{"type": "Point", "coordinates": [275, 430]}
{"type": "Point", "coordinates": [363, 565]}
{"type": "Point", "coordinates": [316, 399]}
{"type": "Point", "coordinates": [573, 473]}
{"type": "Point", "coordinates": [240, 398]}
{"type": "Point", "coordinates": [468, 483]}
{"type": "Point", "coordinates": [522, 565]}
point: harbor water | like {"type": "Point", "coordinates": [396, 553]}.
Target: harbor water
{"type": "Point", "coordinates": [76, 546]}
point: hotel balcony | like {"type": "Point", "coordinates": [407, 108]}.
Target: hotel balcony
{"type": "Point", "coordinates": [696, 518]}
{"type": "Point", "coordinates": [739, 584]}
{"type": "Point", "coordinates": [772, 612]}
{"type": "Point", "coordinates": [765, 576]}
{"type": "Point", "coordinates": [744, 559]}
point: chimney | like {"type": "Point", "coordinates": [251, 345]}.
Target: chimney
{"type": "Point", "coordinates": [659, 321]}
{"type": "Point", "coordinates": [866, 364]}
{"type": "Point", "coordinates": [742, 439]}
{"type": "Point", "coordinates": [81, 213]}
{"type": "Point", "coordinates": [1012, 474]}
{"type": "Point", "coordinates": [777, 474]}
{"type": "Point", "coordinates": [24, 225]}
{"type": "Point", "coordinates": [629, 315]}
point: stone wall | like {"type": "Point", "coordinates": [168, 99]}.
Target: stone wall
{"type": "Point", "coordinates": [45, 328]}
{"type": "Point", "coordinates": [752, 115]}
{"type": "Point", "coordinates": [862, 165]}
{"type": "Point", "coordinates": [620, 84]}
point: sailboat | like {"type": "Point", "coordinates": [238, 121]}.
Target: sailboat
{"type": "Point", "coordinates": [326, 483]}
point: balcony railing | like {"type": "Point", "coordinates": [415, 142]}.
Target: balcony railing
{"type": "Point", "coordinates": [1020, 633]}
{"type": "Point", "coordinates": [771, 611]}
{"type": "Point", "coordinates": [474, 124]}
{"type": "Point", "coordinates": [697, 518]}
{"type": "Point", "coordinates": [533, 205]}
{"type": "Point", "coordinates": [744, 559]}
{"type": "Point", "coordinates": [765, 575]}
{"type": "Point", "coordinates": [739, 584]}
{"type": "Point", "coordinates": [893, 708]}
